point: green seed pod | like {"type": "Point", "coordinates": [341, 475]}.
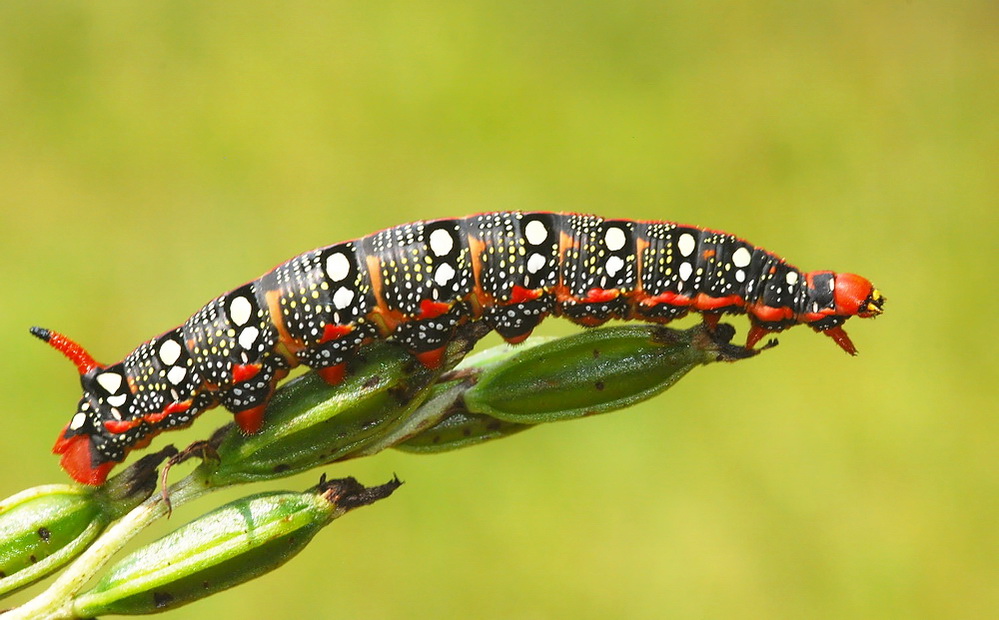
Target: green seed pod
{"type": "Point", "coordinates": [544, 380]}
{"type": "Point", "coordinates": [310, 423]}
{"type": "Point", "coordinates": [593, 372]}
{"type": "Point", "coordinates": [460, 429]}
{"type": "Point", "coordinates": [43, 528]}
{"type": "Point", "coordinates": [228, 546]}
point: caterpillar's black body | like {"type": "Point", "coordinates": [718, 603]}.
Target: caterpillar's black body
{"type": "Point", "coordinates": [416, 283]}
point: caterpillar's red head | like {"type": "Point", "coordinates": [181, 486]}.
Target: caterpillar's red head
{"type": "Point", "coordinates": [856, 296]}
{"type": "Point", "coordinates": [81, 442]}
{"type": "Point", "coordinates": [835, 297]}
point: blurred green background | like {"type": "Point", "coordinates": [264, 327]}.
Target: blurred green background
{"type": "Point", "coordinates": [156, 154]}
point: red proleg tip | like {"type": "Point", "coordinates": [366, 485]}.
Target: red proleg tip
{"type": "Point", "coordinates": [517, 339]}
{"type": "Point", "coordinates": [431, 359]}
{"type": "Point", "coordinates": [333, 375]}
{"type": "Point", "coordinates": [251, 420]}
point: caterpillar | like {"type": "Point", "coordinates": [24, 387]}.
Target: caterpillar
{"type": "Point", "coordinates": [416, 283]}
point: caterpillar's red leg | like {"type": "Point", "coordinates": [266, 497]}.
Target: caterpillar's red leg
{"type": "Point", "coordinates": [433, 358]}
{"type": "Point", "coordinates": [334, 374]}
{"type": "Point", "coordinates": [711, 319]}
{"type": "Point", "coordinates": [756, 333]}
{"type": "Point", "coordinates": [251, 420]}
{"type": "Point", "coordinates": [248, 409]}
{"type": "Point", "coordinates": [518, 338]}
{"type": "Point", "coordinates": [839, 337]}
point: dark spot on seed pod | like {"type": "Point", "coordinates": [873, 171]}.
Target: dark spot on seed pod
{"type": "Point", "coordinates": [32, 558]}
{"type": "Point", "coordinates": [436, 439]}
{"type": "Point", "coordinates": [44, 534]}
{"type": "Point", "coordinates": [281, 467]}
{"type": "Point", "coordinates": [2, 574]}
{"type": "Point", "coordinates": [599, 385]}
{"type": "Point", "coordinates": [372, 382]}
{"type": "Point", "coordinates": [494, 425]}
{"type": "Point", "coordinates": [466, 432]}
{"type": "Point", "coordinates": [205, 585]}
{"type": "Point", "coordinates": [400, 394]}
{"type": "Point", "coordinates": [162, 599]}
{"type": "Point", "coordinates": [596, 353]}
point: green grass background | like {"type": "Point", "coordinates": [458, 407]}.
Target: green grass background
{"type": "Point", "coordinates": [155, 154]}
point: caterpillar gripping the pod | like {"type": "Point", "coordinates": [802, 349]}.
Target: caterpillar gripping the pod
{"type": "Point", "coordinates": [415, 284]}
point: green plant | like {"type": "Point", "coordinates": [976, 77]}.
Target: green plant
{"type": "Point", "coordinates": [387, 402]}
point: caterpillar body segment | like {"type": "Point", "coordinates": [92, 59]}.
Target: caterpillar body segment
{"type": "Point", "coordinates": [416, 283]}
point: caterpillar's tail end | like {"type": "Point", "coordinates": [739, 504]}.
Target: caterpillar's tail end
{"type": "Point", "coordinates": [78, 459]}
{"type": "Point", "coordinates": [41, 333]}
{"type": "Point", "coordinates": [73, 351]}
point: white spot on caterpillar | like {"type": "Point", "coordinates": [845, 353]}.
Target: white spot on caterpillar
{"type": "Point", "coordinates": [741, 258]}
{"type": "Point", "coordinates": [615, 239]}
{"type": "Point", "coordinates": [443, 274]}
{"type": "Point", "coordinates": [77, 422]}
{"type": "Point", "coordinates": [535, 232]}
{"type": "Point", "coordinates": [110, 381]}
{"type": "Point", "coordinates": [686, 245]}
{"type": "Point", "coordinates": [248, 336]}
{"type": "Point", "coordinates": [343, 297]}
{"type": "Point", "coordinates": [614, 265]}
{"type": "Point", "coordinates": [441, 242]}
{"type": "Point", "coordinates": [177, 373]}
{"type": "Point", "coordinates": [535, 263]}
{"type": "Point", "coordinates": [169, 352]}
{"type": "Point", "coordinates": [685, 270]}
{"type": "Point", "coordinates": [337, 266]}
{"type": "Point", "coordinates": [740, 275]}
{"type": "Point", "coordinates": [117, 401]}
{"type": "Point", "coordinates": [239, 310]}
{"type": "Point", "coordinates": [792, 277]}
